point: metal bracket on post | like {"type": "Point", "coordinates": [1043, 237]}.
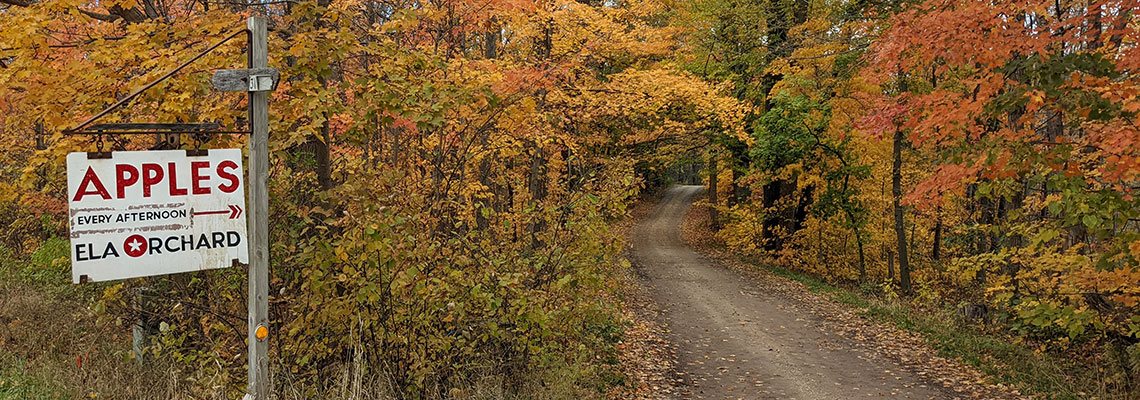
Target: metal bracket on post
{"type": "Point", "coordinates": [246, 80]}
{"type": "Point", "coordinates": [260, 83]}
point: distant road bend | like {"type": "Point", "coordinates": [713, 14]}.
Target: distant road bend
{"type": "Point", "coordinates": [737, 339]}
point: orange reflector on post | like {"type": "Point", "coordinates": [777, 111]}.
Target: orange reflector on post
{"type": "Point", "coordinates": [262, 332]}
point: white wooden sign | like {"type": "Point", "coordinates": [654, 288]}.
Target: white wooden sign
{"type": "Point", "coordinates": [144, 213]}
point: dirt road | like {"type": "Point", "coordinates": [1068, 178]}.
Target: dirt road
{"type": "Point", "coordinates": [735, 338]}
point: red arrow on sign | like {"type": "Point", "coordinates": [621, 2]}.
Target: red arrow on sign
{"type": "Point", "coordinates": [234, 212]}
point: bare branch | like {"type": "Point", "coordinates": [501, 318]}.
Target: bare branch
{"type": "Point", "coordinates": [98, 16]}
{"type": "Point", "coordinates": [20, 3]}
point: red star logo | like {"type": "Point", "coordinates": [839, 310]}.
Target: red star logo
{"type": "Point", "coordinates": [135, 245]}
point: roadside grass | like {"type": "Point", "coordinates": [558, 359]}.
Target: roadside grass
{"type": "Point", "coordinates": [18, 382]}
{"type": "Point", "coordinates": [994, 353]}
{"type": "Point", "coordinates": [17, 379]}
{"type": "Point", "coordinates": [54, 346]}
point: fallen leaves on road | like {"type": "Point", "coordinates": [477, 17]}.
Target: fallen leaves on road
{"type": "Point", "coordinates": [648, 359]}
{"type": "Point", "coordinates": [906, 348]}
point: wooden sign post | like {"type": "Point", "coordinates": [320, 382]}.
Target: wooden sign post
{"type": "Point", "coordinates": [259, 387]}
{"type": "Point", "coordinates": [257, 80]}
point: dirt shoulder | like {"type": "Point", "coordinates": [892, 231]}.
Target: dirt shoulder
{"type": "Point", "coordinates": [648, 360]}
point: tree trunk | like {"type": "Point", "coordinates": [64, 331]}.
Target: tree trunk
{"type": "Point", "coordinates": [319, 149]}
{"type": "Point", "coordinates": [713, 169]}
{"type": "Point", "coordinates": [770, 197]}
{"type": "Point", "coordinates": [910, 240]}
{"type": "Point", "coordinates": [859, 243]}
{"type": "Point", "coordinates": [800, 214]}
{"type": "Point", "coordinates": [318, 146]}
{"type": "Point", "coordinates": [536, 186]}
{"type": "Point", "coordinates": [41, 138]}
{"type": "Point", "coordinates": [890, 266]}
{"type": "Point", "coordinates": [739, 193]}
{"type": "Point", "coordinates": [896, 200]}
{"type": "Point", "coordinates": [482, 200]}
{"type": "Point", "coordinates": [491, 40]}
{"type": "Point", "coordinates": [936, 248]}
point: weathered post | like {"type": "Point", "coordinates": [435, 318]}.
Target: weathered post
{"type": "Point", "coordinates": [258, 217]}
{"type": "Point", "coordinates": [243, 243]}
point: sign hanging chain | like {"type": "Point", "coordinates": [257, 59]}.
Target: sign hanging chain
{"type": "Point", "coordinates": [199, 138]}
